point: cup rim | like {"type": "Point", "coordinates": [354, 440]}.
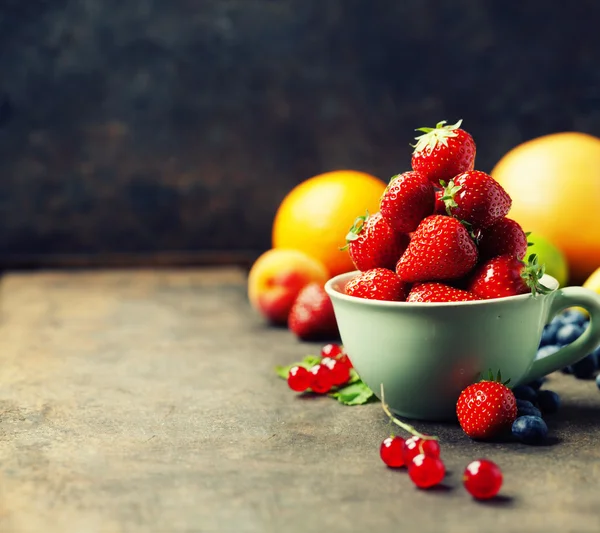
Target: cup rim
{"type": "Point", "coordinates": [333, 292]}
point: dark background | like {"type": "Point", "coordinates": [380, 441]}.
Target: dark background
{"type": "Point", "coordinates": [173, 128]}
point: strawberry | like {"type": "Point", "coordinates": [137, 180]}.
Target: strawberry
{"type": "Point", "coordinates": [372, 243]}
{"type": "Point", "coordinates": [406, 201]}
{"type": "Point", "coordinates": [505, 236]}
{"type": "Point", "coordinates": [506, 275]}
{"type": "Point", "coordinates": [440, 249]}
{"type": "Point", "coordinates": [486, 409]}
{"type": "Point", "coordinates": [311, 317]}
{"type": "Point", "coordinates": [377, 284]}
{"type": "Point", "coordinates": [476, 198]}
{"type": "Point", "coordinates": [443, 152]}
{"type": "Point", "coordinates": [438, 292]}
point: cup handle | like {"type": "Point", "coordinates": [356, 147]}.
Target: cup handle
{"type": "Point", "coordinates": [579, 348]}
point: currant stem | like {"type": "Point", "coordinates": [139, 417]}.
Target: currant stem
{"type": "Point", "coordinates": [406, 427]}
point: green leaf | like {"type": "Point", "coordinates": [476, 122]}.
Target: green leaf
{"type": "Point", "coordinates": [308, 362]}
{"type": "Point", "coordinates": [355, 394]}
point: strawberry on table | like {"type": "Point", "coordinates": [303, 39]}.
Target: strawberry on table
{"type": "Point", "coordinates": [440, 249]}
{"type": "Point", "coordinates": [506, 275]}
{"type": "Point", "coordinates": [486, 409]}
{"type": "Point", "coordinates": [377, 284]}
{"type": "Point", "coordinates": [476, 198]}
{"type": "Point", "coordinates": [311, 317]}
{"type": "Point", "coordinates": [372, 243]}
{"type": "Point", "coordinates": [438, 292]}
{"type": "Point", "coordinates": [505, 236]}
{"type": "Point", "coordinates": [443, 152]}
{"type": "Point", "coordinates": [407, 200]}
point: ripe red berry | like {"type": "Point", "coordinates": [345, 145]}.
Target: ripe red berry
{"type": "Point", "coordinates": [414, 446]}
{"type": "Point", "coordinates": [340, 372]}
{"type": "Point", "coordinates": [320, 379]}
{"type": "Point", "coordinates": [390, 452]}
{"type": "Point", "coordinates": [298, 378]}
{"type": "Point", "coordinates": [331, 350]}
{"type": "Point", "coordinates": [482, 479]}
{"type": "Point", "coordinates": [426, 471]}
{"type": "Point", "coordinates": [343, 358]}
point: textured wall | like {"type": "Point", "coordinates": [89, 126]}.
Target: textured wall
{"type": "Point", "coordinates": [145, 125]}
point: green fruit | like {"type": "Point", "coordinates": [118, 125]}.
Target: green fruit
{"type": "Point", "coordinates": [550, 256]}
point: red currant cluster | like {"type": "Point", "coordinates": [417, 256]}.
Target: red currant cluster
{"type": "Point", "coordinates": [332, 371]}
{"type": "Point", "coordinates": [420, 454]}
{"type": "Point", "coordinates": [482, 478]}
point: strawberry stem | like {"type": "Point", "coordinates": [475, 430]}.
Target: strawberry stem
{"type": "Point", "coordinates": [406, 427]}
{"type": "Point", "coordinates": [532, 273]}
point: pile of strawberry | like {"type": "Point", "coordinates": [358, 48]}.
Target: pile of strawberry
{"type": "Point", "coordinates": [441, 233]}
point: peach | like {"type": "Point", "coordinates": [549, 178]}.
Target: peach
{"type": "Point", "coordinates": [277, 277]}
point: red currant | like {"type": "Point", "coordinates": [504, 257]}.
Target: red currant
{"type": "Point", "coordinates": [340, 373]}
{"type": "Point", "coordinates": [430, 447]}
{"type": "Point", "coordinates": [390, 452]}
{"type": "Point", "coordinates": [482, 479]}
{"type": "Point", "coordinates": [320, 379]}
{"type": "Point", "coordinates": [331, 350]}
{"type": "Point", "coordinates": [415, 445]}
{"type": "Point", "coordinates": [426, 472]}
{"type": "Point", "coordinates": [298, 378]}
{"type": "Point", "coordinates": [343, 358]}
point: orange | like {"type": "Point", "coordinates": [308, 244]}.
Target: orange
{"type": "Point", "coordinates": [316, 215]}
{"type": "Point", "coordinates": [554, 182]}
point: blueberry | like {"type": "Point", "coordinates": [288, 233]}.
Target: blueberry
{"type": "Point", "coordinates": [567, 370]}
{"type": "Point", "coordinates": [530, 429]}
{"type": "Point", "coordinates": [568, 333]}
{"type": "Point", "coordinates": [525, 407]}
{"type": "Point", "coordinates": [558, 320]}
{"type": "Point", "coordinates": [585, 368]}
{"type": "Point", "coordinates": [549, 333]}
{"type": "Point", "coordinates": [548, 401]}
{"type": "Point", "coordinates": [572, 316]}
{"type": "Point", "coordinates": [524, 404]}
{"type": "Point", "coordinates": [547, 350]}
{"type": "Point", "coordinates": [529, 411]}
{"type": "Point", "coordinates": [536, 383]}
{"type": "Point", "coordinates": [523, 392]}
{"type": "Point", "coordinates": [598, 380]}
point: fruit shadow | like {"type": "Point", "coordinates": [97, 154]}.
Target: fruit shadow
{"type": "Point", "coordinates": [498, 501]}
{"type": "Point", "coordinates": [580, 417]}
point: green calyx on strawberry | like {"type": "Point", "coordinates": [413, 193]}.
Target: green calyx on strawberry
{"type": "Point", "coordinates": [355, 230]}
{"type": "Point", "coordinates": [487, 408]}
{"type": "Point", "coordinates": [449, 191]}
{"type": "Point", "coordinates": [432, 136]}
{"type": "Point", "coordinates": [532, 273]}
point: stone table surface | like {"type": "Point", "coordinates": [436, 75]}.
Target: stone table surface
{"type": "Point", "coordinates": [145, 401]}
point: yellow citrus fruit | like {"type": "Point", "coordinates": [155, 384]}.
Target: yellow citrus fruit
{"type": "Point", "coordinates": [550, 256]}
{"type": "Point", "coordinates": [316, 215]}
{"type": "Point", "coordinates": [593, 282]}
{"type": "Point", "coordinates": [554, 182]}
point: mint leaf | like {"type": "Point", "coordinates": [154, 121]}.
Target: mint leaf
{"type": "Point", "coordinates": [308, 362]}
{"type": "Point", "coordinates": [355, 394]}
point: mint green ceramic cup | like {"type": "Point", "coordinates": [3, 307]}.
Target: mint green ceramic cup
{"type": "Point", "coordinates": [425, 354]}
